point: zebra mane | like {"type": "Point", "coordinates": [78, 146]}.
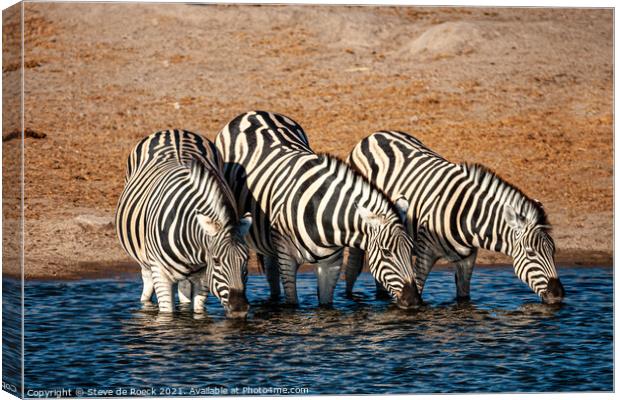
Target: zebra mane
{"type": "Point", "coordinates": [355, 175]}
{"type": "Point", "coordinates": [529, 208]}
{"type": "Point", "coordinates": [221, 201]}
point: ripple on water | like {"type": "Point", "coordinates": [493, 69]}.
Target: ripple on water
{"type": "Point", "coordinates": [96, 334]}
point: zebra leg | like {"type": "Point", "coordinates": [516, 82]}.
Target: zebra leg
{"type": "Point", "coordinates": [287, 265]}
{"type": "Point", "coordinates": [426, 255]}
{"type": "Point", "coordinates": [355, 263]}
{"type": "Point", "coordinates": [147, 282]}
{"type": "Point", "coordinates": [327, 273]}
{"type": "Point", "coordinates": [423, 264]}
{"type": "Point", "coordinates": [185, 291]}
{"type": "Point", "coordinates": [200, 292]}
{"type": "Point", "coordinates": [462, 277]}
{"type": "Point", "coordinates": [272, 272]}
{"type": "Point", "coordinates": [163, 290]}
{"type": "Point", "coordinates": [288, 275]}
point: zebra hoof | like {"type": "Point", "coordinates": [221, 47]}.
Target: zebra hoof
{"type": "Point", "coordinates": [239, 314]}
{"type": "Point", "coordinates": [149, 306]}
{"type": "Point", "coordinates": [463, 299]}
{"type": "Point", "coordinates": [200, 316]}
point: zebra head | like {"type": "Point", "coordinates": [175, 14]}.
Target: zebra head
{"type": "Point", "coordinates": [390, 253]}
{"type": "Point", "coordinates": [227, 262]}
{"type": "Point", "coordinates": [533, 254]}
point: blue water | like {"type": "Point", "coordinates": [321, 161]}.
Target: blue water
{"type": "Point", "coordinates": [95, 334]}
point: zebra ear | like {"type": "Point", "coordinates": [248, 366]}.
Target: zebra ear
{"type": "Point", "coordinates": [514, 220]}
{"type": "Point", "coordinates": [210, 225]}
{"type": "Point", "coordinates": [402, 205]}
{"type": "Point", "coordinates": [244, 224]}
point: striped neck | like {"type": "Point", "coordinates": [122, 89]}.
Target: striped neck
{"type": "Point", "coordinates": [341, 206]}
{"type": "Point", "coordinates": [483, 222]}
{"type": "Point", "coordinates": [210, 199]}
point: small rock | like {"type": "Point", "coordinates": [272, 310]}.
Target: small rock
{"type": "Point", "coordinates": [93, 223]}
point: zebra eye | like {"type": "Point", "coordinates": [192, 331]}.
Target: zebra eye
{"type": "Point", "coordinates": [530, 253]}
{"type": "Point", "coordinates": [216, 260]}
{"type": "Point", "coordinates": [386, 253]}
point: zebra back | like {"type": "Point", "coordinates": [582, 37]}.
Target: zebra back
{"type": "Point", "coordinates": [280, 129]}
{"type": "Point", "coordinates": [182, 146]}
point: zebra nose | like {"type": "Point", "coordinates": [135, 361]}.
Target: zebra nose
{"type": "Point", "coordinates": [554, 293]}
{"type": "Point", "coordinates": [238, 305]}
{"type": "Point", "coordinates": [409, 297]}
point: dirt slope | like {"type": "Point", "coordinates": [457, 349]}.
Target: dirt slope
{"type": "Point", "coordinates": [528, 92]}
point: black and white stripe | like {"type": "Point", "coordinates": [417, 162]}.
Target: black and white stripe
{"type": "Point", "coordinates": [456, 209]}
{"type": "Point", "coordinates": [307, 207]}
{"type": "Point", "coordinates": [177, 218]}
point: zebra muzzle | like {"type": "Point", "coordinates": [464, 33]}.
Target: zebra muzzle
{"type": "Point", "coordinates": [409, 297]}
{"type": "Point", "coordinates": [554, 293]}
{"type": "Point", "coordinates": [238, 305]}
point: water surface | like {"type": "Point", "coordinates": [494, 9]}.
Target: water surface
{"type": "Point", "coordinates": [95, 335]}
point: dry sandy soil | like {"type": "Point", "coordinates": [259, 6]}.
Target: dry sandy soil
{"type": "Point", "coordinates": [528, 92]}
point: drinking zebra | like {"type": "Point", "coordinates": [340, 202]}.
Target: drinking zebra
{"type": "Point", "coordinates": [307, 207]}
{"type": "Point", "coordinates": [456, 209]}
{"type": "Point", "coordinates": [177, 218]}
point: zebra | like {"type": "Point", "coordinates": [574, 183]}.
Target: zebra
{"type": "Point", "coordinates": [454, 210]}
{"type": "Point", "coordinates": [177, 218]}
{"type": "Point", "coordinates": [307, 207]}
